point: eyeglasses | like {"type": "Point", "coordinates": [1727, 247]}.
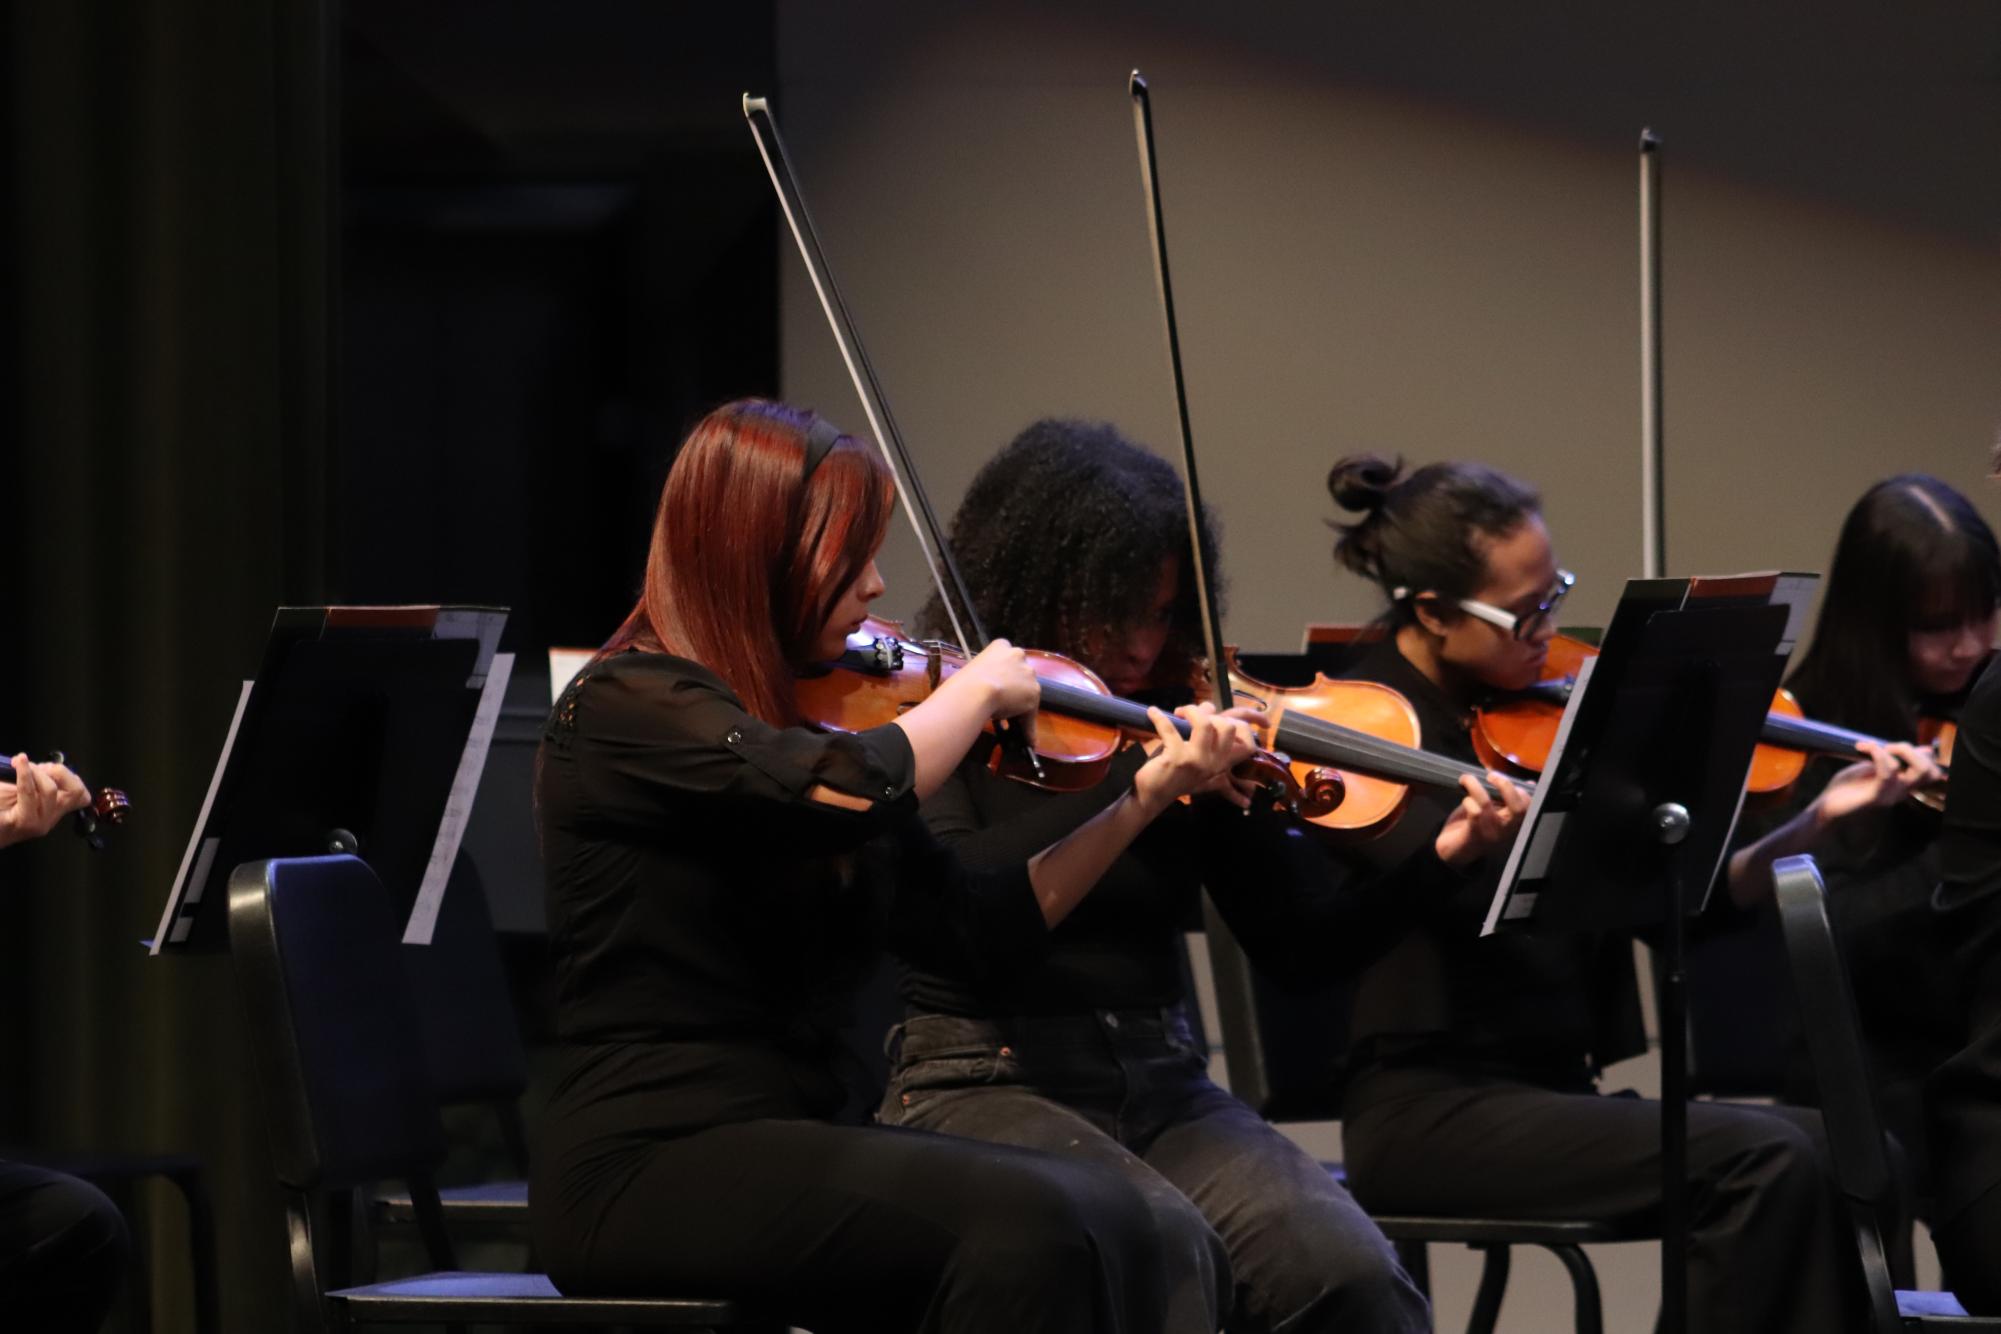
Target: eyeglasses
{"type": "Point", "coordinates": [1522, 625]}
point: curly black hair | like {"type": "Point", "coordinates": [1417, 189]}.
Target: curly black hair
{"type": "Point", "coordinates": [1061, 538]}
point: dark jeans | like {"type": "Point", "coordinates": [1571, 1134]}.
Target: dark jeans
{"type": "Point", "coordinates": [1769, 1247]}
{"type": "Point", "coordinates": [63, 1249]}
{"type": "Point", "coordinates": [1259, 1236]}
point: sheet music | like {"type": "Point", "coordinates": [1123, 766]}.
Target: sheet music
{"type": "Point", "coordinates": [458, 806]}
{"type": "Point", "coordinates": [564, 664]}
{"type": "Point", "coordinates": [1536, 839]}
{"type": "Point", "coordinates": [481, 623]}
{"type": "Point", "coordinates": [177, 917]}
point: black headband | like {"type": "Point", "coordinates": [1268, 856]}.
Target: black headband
{"type": "Point", "coordinates": [820, 438]}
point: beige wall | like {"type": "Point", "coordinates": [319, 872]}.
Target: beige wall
{"type": "Point", "coordinates": [1415, 231]}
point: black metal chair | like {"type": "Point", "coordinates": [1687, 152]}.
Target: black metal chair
{"type": "Point", "coordinates": [1284, 1057]}
{"type": "Point", "coordinates": [331, 1021]}
{"type": "Point", "coordinates": [472, 1047]}
{"type": "Point", "coordinates": [1847, 1104]}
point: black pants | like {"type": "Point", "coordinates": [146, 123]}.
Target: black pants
{"type": "Point", "coordinates": [1229, 1194]}
{"type": "Point", "coordinates": [63, 1249]}
{"type": "Point", "coordinates": [1969, 1250]}
{"type": "Point", "coordinates": [1769, 1249]}
{"type": "Point", "coordinates": [854, 1228]}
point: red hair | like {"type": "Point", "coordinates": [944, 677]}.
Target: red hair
{"type": "Point", "coordinates": [749, 556]}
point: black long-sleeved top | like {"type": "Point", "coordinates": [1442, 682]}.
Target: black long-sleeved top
{"type": "Point", "coordinates": [1963, 1096]}
{"type": "Point", "coordinates": [1880, 867]}
{"type": "Point", "coordinates": [1552, 1007]}
{"type": "Point", "coordinates": [710, 914]}
{"type": "Point", "coordinates": [1305, 919]}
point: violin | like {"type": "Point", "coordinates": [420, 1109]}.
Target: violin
{"type": "Point", "coordinates": [107, 809]}
{"type": "Point", "coordinates": [1513, 733]}
{"type": "Point", "coordinates": [1341, 779]}
{"type": "Point", "coordinates": [1378, 710]}
{"type": "Point", "coordinates": [1080, 724]}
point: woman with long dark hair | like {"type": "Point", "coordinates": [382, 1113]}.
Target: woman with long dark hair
{"type": "Point", "coordinates": [1907, 619]}
{"type": "Point", "coordinates": [1907, 616]}
{"type": "Point", "coordinates": [1075, 539]}
{"type": "Point", "coordinates": [719, 878]}
{"type": "Point", "coordinates": [1474, 1061]}
{"type": "Point", "coordinates": [1906, 624]}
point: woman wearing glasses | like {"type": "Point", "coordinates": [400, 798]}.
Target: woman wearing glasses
{"type": "Point", "coordinates": [1475, 1060]}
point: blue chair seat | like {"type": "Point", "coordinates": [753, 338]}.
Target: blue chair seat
{"type": "Point", "coordinates": [519, 1299]}
{"type": "Point", "coordinates": [503, 1203]}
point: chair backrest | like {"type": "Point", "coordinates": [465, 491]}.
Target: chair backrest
{"type": "Point", "coordinates": [1834, 1042]}
{"type": "Point", "coordinates": [1741, 1013]}
{"type": "Point", "coordinates": [1286, 1052]}
{"type": "Point", "coordinates": [330, 1018]}
{"type": "Point", "coordinates": [471, 1036]}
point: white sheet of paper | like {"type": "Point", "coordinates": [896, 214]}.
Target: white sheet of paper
{"type": "Point", "coordinates": [1532, 821]}
{"type": "Point", "coordinates": [458, 806]}
{"type": "Point", "coordinates": [564, 664]}
{"type": "Point", "coordinates": [170, 931]}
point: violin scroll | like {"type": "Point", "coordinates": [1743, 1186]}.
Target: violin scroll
{"type": "Point", "coordinates": [108, 808]}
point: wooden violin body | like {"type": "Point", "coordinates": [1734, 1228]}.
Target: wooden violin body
{"type": "Point", "coordinates": [1372, 803]}
{"type": "Point", "coordinates": [1079, 727]}
{"type": "Point", "coordinates": [1316, 761]}
{"type": "Point", "coordinates": [1514, 734]}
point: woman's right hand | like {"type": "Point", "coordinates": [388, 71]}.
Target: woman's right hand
{"type": "Point", "coordinates": [1181, 767]}
{"type": "Point", "coordinates": [1002, 672]}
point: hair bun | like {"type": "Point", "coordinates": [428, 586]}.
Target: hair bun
{"type": "Point", "coordinates": [1362, 482]}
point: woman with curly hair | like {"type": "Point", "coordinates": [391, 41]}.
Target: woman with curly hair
{"type": "Point", "coordinates": [1076, 540]}
{"type": "Point", "coordinates": [719, 878]}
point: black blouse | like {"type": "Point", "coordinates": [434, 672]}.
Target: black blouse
{"type": "Point", "coordinates": [1963, 1096]}
{"type": "Point", "coordinates": [710, 915]}
{"type": "Point", "coordinates": [1551, 1007]}
{"type": "Point", "coordinates": [1304, 919]}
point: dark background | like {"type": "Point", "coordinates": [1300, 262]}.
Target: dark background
{"type": "Point", "coordinates": [315, 302]}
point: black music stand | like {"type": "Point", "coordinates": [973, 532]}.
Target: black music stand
{"type": "Point", "coordinates": [365, 731]}
{"type": "Point", "coordinates": [1634, 811]}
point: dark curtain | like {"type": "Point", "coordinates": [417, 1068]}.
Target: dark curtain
{"type": "Point", "coordinates": [166, 473]}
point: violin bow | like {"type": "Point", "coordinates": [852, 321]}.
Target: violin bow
{"type": "Point", "coordinates": [1653, 468]}
{"type": "Point", "coordinates": [951, 585]}
{"type": "Point", "coordinates": [1156, 226]}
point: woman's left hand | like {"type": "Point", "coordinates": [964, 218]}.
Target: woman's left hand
{"type": "Point", "coordinates": [1236, 787]}
{"type": "Point", "coordinates": [1216, 744]}
{"type": "Point", "coordinates": [1479, 824]}
{"type": "Point", "coordinates": [1891, 773]}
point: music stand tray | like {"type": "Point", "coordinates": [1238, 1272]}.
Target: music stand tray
{"type": "Point", "coordinates": [1634, 812]}
{"type": "Point", "coordinates": [362, 732]}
